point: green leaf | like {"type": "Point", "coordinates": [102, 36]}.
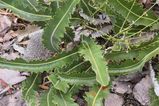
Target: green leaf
{"type": "Point", "coordinates": [23, 14]}
{"type": "Point", "coordinates": [56, 98]}
{"type": "Point", "coordinates": [116, 19]}
{"type": "Point", "coordinates": [32, 6]}
{"type": "Point", "coordinates": [92, 53]}
{"type": "Point", "coordinates": [78, 78]}
{"type": "Point", "coordinates": [29, 89]}
{"type": "Point", "coordinates": [62, 85]}
{"type": "Point", "coordinates": [58, 84]}
{"type": "Point", "coordinates": [155, 26]}
{"type": "Point", "coordinates": [95, 97]}
{"type": "Point", "coordinates": [56, 28]}
{"type": "Point", "coordinates": [56, 62]}
{"type": "Point", "coordinates": [148, 43]}
{"type": "Point", "coordinates": [86, 7]}
{"type": "Point", "coordinates": [143, 54]}
{"type": "Point", "coordinates": [135, 15]}
{"type": "Point", "coordinates": [154, 100]}
{"type": "Point", "coordinates": [78, 73]}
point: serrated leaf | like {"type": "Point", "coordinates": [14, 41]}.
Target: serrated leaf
{"type": "Point", "coordinates": [29, 89]}
{"type": "Point", "coordinates": [56, 98]}
{"type": "Point", "coordinates": [56, 28]}
{"type": "Point", "coordinates": [86, 7]}
{"type": "Point", "coordinates": [147, 43]}
{"type": "Point", "coordinates": [95, 97]}
{"type": "Point", "coordinates": [145, 53]}
{"type": "Point", "coordinates": [78, 78]}
{"type": "Point", "coordinates": [62, 85]}
{"type": "Point", "coordinates": [78, 73]}
{"type": "Point", "coordinates": [25, 15]}
{"type": "Point", "coordinates": [135, 13]}
{"type": "Point", "coordinates": [116, 19]}
{"type": "Point", "coordinates": [58, 84]}
{"type": "Point", "coordinates": [92, 53]}
{"type": "Point", "coordinates": [56, 62]}
{"type": "Point", "coordinates": [32, 6]}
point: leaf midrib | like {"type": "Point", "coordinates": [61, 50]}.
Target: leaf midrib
{"type": "Point", "coordinates": [53, 33]}
{"type": "Point", "coordinates": [10, 6]}
{"type": "Point", "coordinates": [31, 85]}
{"type": "Point", "coordinates": [139, 64]}
{"type": "Point", "coordinates": [94, 61]}
{"type": "Point", "coordinates": [37, 64]}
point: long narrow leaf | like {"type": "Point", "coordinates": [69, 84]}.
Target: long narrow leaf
{"type": "Point", "coordinates": [38, 66]}
{"type": "Point", "coordinates": [123, 7]}
{"type": "Point", "coordinates": [56, 28]}
{"type": "Point", "coordinates": [143, 54]}
{"type": "Point", "coordinates": [23, 14]}
{"type": "Point", "coordinates": [92, 52]}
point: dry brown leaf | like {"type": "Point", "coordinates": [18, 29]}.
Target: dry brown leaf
{"type": "Point", "coordinates": [11, 77]}
{"type": "Point", "coordinates": [10, 56]}
{"type": "Point", "coordinates": [141, 91]}
{"type": "Point", "coordinates": [5, 24]}
{"type": "Point", "coordinates": [8, 36]}
{"type": "Point", "coordinates": [114, 100]}
{"type": "Point", "coordinates": [121, 87]}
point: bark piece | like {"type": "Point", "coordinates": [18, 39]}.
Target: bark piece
{"type": "Point", "coordinates": [141, 90]}
{"type": "Point", "coordinates": [114, 100]}
{"type": "Point", "coordinates": [5, 24]}
{"type": "Point", "coordinates": [121, 87]}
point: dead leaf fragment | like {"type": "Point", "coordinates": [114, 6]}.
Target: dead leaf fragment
{"type": "Point", "coordinates": [114, 100]}
{"type": "Point", "coordinates": [141, 91]}
{"type": "Point", "coordinates": [5, 24]}
{"type": "Point", "coordinates": [121, 87]}
{"type": "Point", "coordinates": [10, 56]}
{"type": "Point", "coordinates": [11, 77]}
